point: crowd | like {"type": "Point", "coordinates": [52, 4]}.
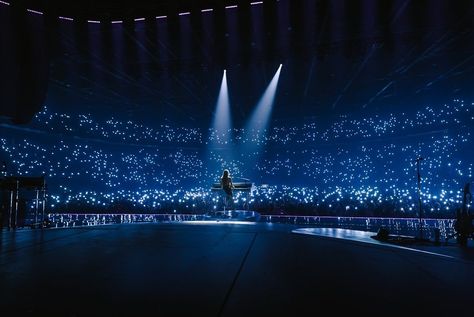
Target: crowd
{"type": "Point", "coordinates": [348, 165]}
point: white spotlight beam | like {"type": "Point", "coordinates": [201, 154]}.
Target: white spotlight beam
{"type": "Point", "coordinates": [262, 113]}
{"type": "Point", "coordinates": [222, 117]}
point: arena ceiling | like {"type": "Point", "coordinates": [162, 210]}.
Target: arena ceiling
{"type": "Point", "coordinates": [339, 57]}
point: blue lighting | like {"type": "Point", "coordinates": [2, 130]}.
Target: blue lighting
{"type": "Point", "coordinates": [350, 166]}
{"type": "Point", "coordinates": [222, 118]}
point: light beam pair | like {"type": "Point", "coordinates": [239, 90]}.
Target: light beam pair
{"type": "Point", "coordinates": [258, 122]}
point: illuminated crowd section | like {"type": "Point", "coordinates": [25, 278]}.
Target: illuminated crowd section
{"type": "Point", "coordinates": [349, 165]}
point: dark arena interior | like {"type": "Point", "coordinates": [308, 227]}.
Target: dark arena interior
{"type": "Point", "coordinates": [236, 158]}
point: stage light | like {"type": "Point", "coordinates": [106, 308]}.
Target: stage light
{"type": "Point", "coordinates": [161, 17]}
{"type": "Point", "coordinates": [256, 2]}
{"type": "Point", "coordinates": [255, 130]}
{"type": "Point", "coordinates": [220, 132]}
{"type": "Point", "coordinates": [218, 222]}
{"type": "Point", "coordinates": [184, 13]}
{"type": "Point", "coordinates": [116, 22]}
{"type": "Point", "coordinates": [222, 117]}
{"type": "Point", "coordinates": [93, 21]}
{"type": "Point", "coordinates": [261, 116]}
{"type": "Point", "coordinates": [34, 11]}
{"type": "Point", "coordinates": [207, 10]}
{"type": "Point", "coordinates": [231, 7]}
{"type": "Point", "coordinates": [139, 19]}
{"type": "Point", "coordinates": [66, 18]}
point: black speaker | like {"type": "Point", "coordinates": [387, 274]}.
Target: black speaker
{"type": "Point", "coordinates": [382, 233]}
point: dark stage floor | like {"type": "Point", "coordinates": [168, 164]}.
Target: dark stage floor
{"type": "Point", "coordinates": [226, 269]}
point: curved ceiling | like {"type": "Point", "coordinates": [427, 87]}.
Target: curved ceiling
{"type": "Point", "coordinates": [338, 55]}
{"type": "Point", "coordinates": [110, 9]}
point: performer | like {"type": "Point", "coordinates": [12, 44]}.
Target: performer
{"type": "Point", "coordinates": [227, 186]}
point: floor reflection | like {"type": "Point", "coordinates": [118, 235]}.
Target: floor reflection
{"type": "Point", "coordinates": [359, 236]}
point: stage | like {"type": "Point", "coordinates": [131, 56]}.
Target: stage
{"type": "Point", "coordinates": [227, 268]}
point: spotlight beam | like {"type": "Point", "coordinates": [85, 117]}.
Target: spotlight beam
{"type": "Point", "coordinates": [222, 117]}
{"type": "Point", "coordinates": [262, 113]}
